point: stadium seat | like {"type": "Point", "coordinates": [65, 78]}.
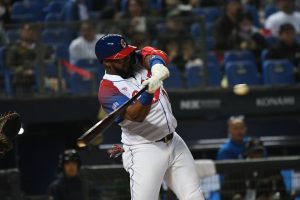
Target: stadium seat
{"type": "Point", "coordinates": [210, 43]}
{"type": "Point", "coordinates": [87, 63]}
{"type": "Point", "coordinates": [12, 35]}
{"type": "Point", "coordinates": [195, 30]}
{"type": "Point", "coordinates": [211, 58]}
{"type": "Point", "coordinates": [238, 55]}
{"type": "Point", "coordinates": [210, 29]}
{"type": "Point", "coordinates": [54, 7]}
{"type": "Point", "coordinates": [270, 9]}
{"type": "Point", "coordinates": [254, 14]}
{"type": "Point", "coordinates": [210, 14]}
{"type": "Point", "coordinates": [80, 85]}
{"type": "Point", "coordinates": [194, 77]}
{"type": "Point", "coordinates": [56, 36]}
{"type": "Point", "coordinates": [214, 74]}
{"type": "Point", "coordinates": [27, 12]}
{"type": "Point", "coordinates": [174, 81]}
{"type": "Point", "coordinates": [264, 55]}
{"type": "Point", "coordinates": [94, 65]}
{"type": "Point", "coordinates": [155, 5]}
{"type": "Point", "coordinates": [277, 72]}
{"type": "Point", "coordinates": [53, 17]}
{"type": "Point", "coordinates": [241, 72]}
{"type": "Point", "coordinates": [62, 51]}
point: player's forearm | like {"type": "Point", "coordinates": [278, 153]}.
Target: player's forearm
{"type": "Point", "coordinates": [138, 111]}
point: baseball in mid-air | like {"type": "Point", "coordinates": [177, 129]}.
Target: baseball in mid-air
{"type": "Point", "coordinates": [241, 89]}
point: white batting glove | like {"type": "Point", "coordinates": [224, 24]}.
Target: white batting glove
{"type": "Point", "coordinates": [160, 71]}
{"type": "Point", "coordinates": [153, 84]}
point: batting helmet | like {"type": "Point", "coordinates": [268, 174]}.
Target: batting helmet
{"type": "Point", "coordinates": [112, 46]}
{"type": "Point", "coordinates": [69, 155]}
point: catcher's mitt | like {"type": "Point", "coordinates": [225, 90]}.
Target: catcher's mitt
{"type": "Point", "coordinates": [10, 124]}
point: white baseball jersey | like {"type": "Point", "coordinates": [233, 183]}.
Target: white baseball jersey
{"type": "Point", "coordinates": [114, 91]}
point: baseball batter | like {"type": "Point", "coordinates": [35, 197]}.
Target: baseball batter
{"type": "Point", "coordinates": [153, 150]}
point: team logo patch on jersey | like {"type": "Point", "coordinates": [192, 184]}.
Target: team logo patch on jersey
{"type": "Point", "coordinates": [115, 105]}
{"type": "Point", "coordinates": [123, 43]}
{"type": "Point", "coordinates": [124, 88]}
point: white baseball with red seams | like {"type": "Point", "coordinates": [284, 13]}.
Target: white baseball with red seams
{"type": "Point", "coordinates": [147, 161]}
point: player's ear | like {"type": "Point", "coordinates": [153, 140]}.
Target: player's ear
{"type": "Point", "coordinates": [107, 63]}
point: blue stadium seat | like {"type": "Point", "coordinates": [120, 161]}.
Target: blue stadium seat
{"type": "Point", "coordinates": [194, 77]}
{"type": "Point", "coordinates": [210, 14]}
{"type": "Point", "coordinates": [241, 72]}
{"type": "Point", "coordinates": [211, 58]}
{"type": "Point", "coordinates": [174, 81]}
{"type": "Point", "coordinates": [94, 65]}
{"type": "Point", "coordinates": [214, 74]}
{"type": "Point", "coordinates": [254, 14]}
{"type": "Point", "coordinates": [195, 30]}
{"type": "Point", "coordinates": [264, 55]}
{"type": "Point", "coordinates": [270, 9]}
{"type": "Point", "coordinates": [62, 51]}
{"type": "Point", "coordinates": [27, 12]}
{"type": "Point", "coordinates": [56, 36]}
{"type": "Point", "coordinates": [53, 17]}
{"type": "Point", "coordinates": [210, 29]}
{"type": "Point", "coordinates": [12, 35]}
{"type": "Point", "coordinates": [210, 43]}
{"type": "Point", "coordinates": [80, 85]}
{"type": "Point", "coordinates": [88, 63]}
{"type": "Point", "coordinates": [277, 72]}
{"type": "Point", "coordinates": [155, 5]}
{"type": "Point", "coordinates": [238, 55]}
{"type": "Point", "coordinates": [54, 7]}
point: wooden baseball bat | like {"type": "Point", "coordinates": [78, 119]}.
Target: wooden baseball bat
{"type": "Point", "coordinates": [102, 125]}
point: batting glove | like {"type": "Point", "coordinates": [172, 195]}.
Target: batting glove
{"type": "Point", "coordinates": [153, 84]}
{"type": "Point", "coordinates": [160, 71]}
{"type": "Point", "coordinates": [116, 151]}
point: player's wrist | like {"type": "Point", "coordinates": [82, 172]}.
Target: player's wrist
{"type": "Point", "coordinates": [146, 99]}
{"type": "Point", "coordinates": [156, 60]}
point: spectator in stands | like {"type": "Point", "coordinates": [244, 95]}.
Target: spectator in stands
{"type": "Point", "coordinates": [226, 23]}
{"type": "Point", "coordinates": [247, 37]}
{"type": "Point", "coordinates": [287, 46]}
{"type": "Point", "coordinates": [75, 10]}
{"type": "Point", "coordinates": [286, 14]}
{"type": "Point", "coordinates": [22, 56]}
{"type": "Point", "coordinates": [5, 12]}
{"type": "Point", "coordinates": [69, 185]}
{"type": "Point", "coordinates": [235, 147]}
{"type": "Point", "coordinates": [189, 54]}
{"type": "Point", "coordinates": [83, 46]}
{"type": "Point", "coordinates": [112, 12]}
{"type": "Point", "coordinates": [135, 14]}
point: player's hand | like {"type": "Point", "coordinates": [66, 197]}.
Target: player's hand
{"type": "Point", "coordinates": [153, 84]}
{"type": "Point", "coordinates": [116, 151]}
{"type": "Point", "coordinates": [160, 71]}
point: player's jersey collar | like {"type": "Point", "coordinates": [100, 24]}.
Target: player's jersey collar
{"type": "Point", "coordinates": [113, 78]}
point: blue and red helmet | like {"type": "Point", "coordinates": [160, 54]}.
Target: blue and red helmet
{"type": "Point", "coordinates": [112, 46]}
